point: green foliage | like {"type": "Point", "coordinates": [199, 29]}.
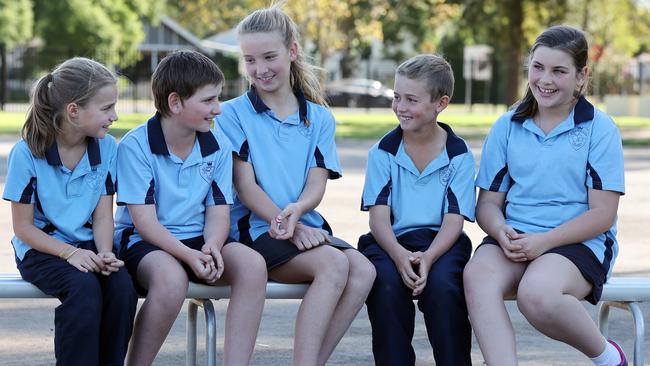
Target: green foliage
{"type": "Point", "coordinates": [207, 17]}
{"type": "Point", "coordinates": [16, 22]}
{"type": "Point", "coordinates": [108, 30]}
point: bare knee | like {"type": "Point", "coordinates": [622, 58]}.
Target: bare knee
{"type": "Point", "coordinates": [474, 277]}
{"type": "Point", "coordinates": [245, 267]}
{"type": "Point", "coordinates": [168, 286]}
{"type": "Point", "coordinates": [334, 269]}
{"type": "Point", "coordinates": [535, 302]}
{"type": "Point", "coordinates": [361, 275]}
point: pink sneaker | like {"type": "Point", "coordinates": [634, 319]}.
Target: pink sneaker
{"type": "Point", "coordinates": [620, 353]}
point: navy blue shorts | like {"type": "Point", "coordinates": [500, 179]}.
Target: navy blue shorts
{"type": "Point", "coordinates": [134, 254]}
{"type": "Point", "coordinates": [584, 259]}
{"type": "Point", "coordinates": [277, 252]}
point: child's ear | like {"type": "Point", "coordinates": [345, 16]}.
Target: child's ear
{"type": "Point", "coordinates": [293, 51]}
{"type": "Point", "coordinates": [174, 102]}
{"type": "Point", "coordinates": [442, 103]}
{"type": "Point", "coordinates": [581, 76]}
{"type": "Point", "coordinates": [72, 109]}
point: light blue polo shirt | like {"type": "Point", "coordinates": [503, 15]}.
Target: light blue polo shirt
{"type": "Point", "coordinates": [419, 200]}
{"type": "Point", "coordinates": [148, 173]}
{"type": "Point", "coordinates": [547, 177]}
{"type": "Point", "coordinates": [64, 200]}
{"type": "Point", "coordinates": [281, 152]}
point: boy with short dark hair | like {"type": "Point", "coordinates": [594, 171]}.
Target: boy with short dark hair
{"type": "Point", "coordinates": [419, 189]}
{"type": "Point", "coordinates": [174, 193]}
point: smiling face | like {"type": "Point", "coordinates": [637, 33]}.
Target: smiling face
{"type": "Point", "coordinates": [198, 111]}
{"type": "Point", "coordinates": [95, 117]}
{"type": "Point", "coordinates": [554, 79]}
{"type": "Point", "coordinates": [267, 60]}
{"type": "Point", "coordinates": [412, 104]}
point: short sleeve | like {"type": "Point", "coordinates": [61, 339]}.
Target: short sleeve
{"type": "Point", "coordinates": [229, 124]}
{"type": "Point", "coordinates": [220, 192]}
{"type": "Point", "coordinates": [605, 169]}
{"type": "Point", "coordinates": [493, 172]}
{"type": "Point", "coordinates": [135, 181]}
{"type": "Point", "coordinates": [377, 187]}
{"type": "Point", "coordinates": [109, 184]}
{"type": "Point", "coordinates": [460, 197]}
{"type": "Point", "coordinates": [21, 175]}
{"type": "Point", "coordinates": [325, 155]}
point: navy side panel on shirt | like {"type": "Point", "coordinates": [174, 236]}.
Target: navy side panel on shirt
{"type": "Point", "coordinates": [64, 199]}
{"type": "Point", "coordinates": [547, 177]}
{"type": "Point", "coordinates": [420, 199]}
{"type": "Point", "coordinates": [281, 152]}
{"type": "Point", "coordinates": [148, 173]}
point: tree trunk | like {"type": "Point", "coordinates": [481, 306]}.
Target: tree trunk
{"type": "Point", "coordinates": [515, 15]}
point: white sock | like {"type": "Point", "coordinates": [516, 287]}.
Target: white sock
{"type": "Point", "coordinates": [609, 357]}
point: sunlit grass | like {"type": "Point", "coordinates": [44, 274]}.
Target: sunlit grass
{"type": "Point", "coordinates": [363, 124]}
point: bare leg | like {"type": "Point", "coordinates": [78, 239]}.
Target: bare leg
{"type": "Point", "coordinates": [166, 282]}
{"type": "Point", "coordinates": [327, 269]}
{"type": "Point", "coordinates": [488, 278]}
{"type": "Point", "coordinates": [245, 270]}
{"type": "Point", "coordinates": [548, 296]}
{"type": "Point", "coordinates": [361, 276]}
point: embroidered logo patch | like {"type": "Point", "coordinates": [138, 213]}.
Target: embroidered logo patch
{"type": "Point", "coordinates": [207, 171]}
{"type": "Point", "coordinates": [304, 130]}
{"type": "Point", "coordinates": [446, 173]}
{"type": "Point", "coordinates": [578, 138]}
{"type": "Point", "coordinates": [93, 179]}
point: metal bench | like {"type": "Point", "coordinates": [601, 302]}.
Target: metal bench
{"type": "Point", "coordinates": [621, 292]}
{"type": "Point", "coordinates": [12, 286]}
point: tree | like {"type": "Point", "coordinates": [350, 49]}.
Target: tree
{"type": "Point", "coordinates": [206, 17]}
{"type": "Point", "coordinates": [108, 30]}
{"type": "Point", "coordinates": [16, 22]}
{"type": "Point", "coordinates": [412, 26]}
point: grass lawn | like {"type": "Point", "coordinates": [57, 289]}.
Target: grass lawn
{"type": "Point", "coordinates": [362, 124]}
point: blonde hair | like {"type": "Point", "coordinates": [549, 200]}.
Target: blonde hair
{"type": "Point", "coordinates": [303, 76]}
{"type": "Point", "coordinates": [433, 70]}
{"type": "Point", "coordinates": [76, 80]}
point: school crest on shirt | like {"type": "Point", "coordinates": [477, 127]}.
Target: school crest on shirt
{"type": "Point", "coordinates": [578, 138]}
{"type": "Point", "coordinates": [446, 173]}
{"type": "Point", "coordinates": [304, 130]}
{"type": "Point", "coordinates": [207, 171]}
{"type": "Point", "coordinates": [94, 179]}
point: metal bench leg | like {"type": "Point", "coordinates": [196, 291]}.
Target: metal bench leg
{"type": "Point", "coordinates": [190, 349]}
{"type": "Point", "coordinates": [639, 331]}
{"type": "Point", "coordinates": [210, 332]}
{"type": "Point", "coordinates": [603, 317]}
{"type": "Point", "coordinates": [639, 325]}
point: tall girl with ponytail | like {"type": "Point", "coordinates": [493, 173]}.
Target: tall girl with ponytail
{"type": "Point", "coordinates": [60, 182]}
{"type": "Point", "coordinates": [283, 139]}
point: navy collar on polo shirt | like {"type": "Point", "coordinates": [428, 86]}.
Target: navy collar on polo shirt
{"type": "Point", "coordinates": [261, 107]}
{"type": "Point", "coordinates": [94, 156]}
{"type": "Point", "coordinates": [158, 145]}
{"type": "Point", "coordinates": [454, 144]}
{"type": "Point", "coordinates": [583, 111]}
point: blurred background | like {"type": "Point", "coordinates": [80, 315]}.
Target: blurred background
{"type": "Point", "coordinates": [356, 43]}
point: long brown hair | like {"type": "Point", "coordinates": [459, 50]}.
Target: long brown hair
{"type": "Point", "coordinates": [303, 75]}
{"type": "Point", "coordinates": [76, 80]}
{"type": "Point", "coordinates": [559, 37]}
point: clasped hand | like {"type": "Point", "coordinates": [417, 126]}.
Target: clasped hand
{"type": "Point", "coordinates": [286, 226]}
{"type": "Point", "coordinates": [521, 247]}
